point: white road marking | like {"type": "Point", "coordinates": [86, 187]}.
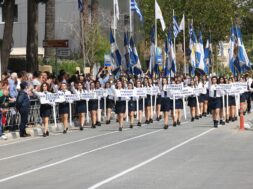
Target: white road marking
{"type": "Point", "coordinates": [148, 161]}
{"type": "Point", "coordinates": [76, 156]}
{"type": "Point", "coordinates": [57, 146]}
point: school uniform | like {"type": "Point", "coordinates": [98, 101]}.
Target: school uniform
{"type": "Point", "coordinates": [215, 97]}
{"type": "Point", "coordinates": [120, 106]}
{"type": "Point", "coordinates": [165, 100]}
{"type": "Point", "coordinates": [45, 109]}
{"type": "Point", "coordinates": [64, 106]}
{"type": "Point", "coordinates": [93, 103]}
{"type": "Point", "coordinates": [192, 101]}
{"type": "Point", "coordinates": [110, 103]}
{"type": "Point", "coordinates": [81, 106]}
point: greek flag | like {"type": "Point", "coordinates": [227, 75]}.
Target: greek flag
{"type": "Point", "coordinates": [134, 59]}
{"type": "Point", "coordinates": [192, 46]}
{"type": "Point", "coordinates": [231, 54]}
{"type": "Point", "coordinates": [134, 7]}
{"type": "Point", "coordinates": [170, 64]}
{"type": "Point", "coordinates": [152, 50]}
{"type": "Point", "coordinates": [126, 65]}
{"type": "Point", "coordinates": [176, 29]}
{"type": "Point", "coordinates": [201, 64]}
{"type": "Point", "coordinates": [80, 5]}
{"type": "Point", "coordinates": [115, 54]}
{"type": "Point", "coordinates": [242, 54]}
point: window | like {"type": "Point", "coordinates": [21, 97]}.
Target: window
{"type": "Point", "coordinates": [2, 15]}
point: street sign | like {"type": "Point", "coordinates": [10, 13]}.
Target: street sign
{"type": "Point", "coordinates": [56, 43]}
{"type": "Point", "coordinates": [63, 52]}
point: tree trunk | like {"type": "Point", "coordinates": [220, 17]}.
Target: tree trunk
{"type": "Point", "coordinates": [7, 36]}
{"type": "Point", "coordinates": [94, 11]}
{"type": "Point", "coordinates": [32, 36]}
{"type": "Point", "coordinates": [50, 27]}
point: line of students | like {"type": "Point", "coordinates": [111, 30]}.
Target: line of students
{"type": "Point", "coordinates": [209, 101]}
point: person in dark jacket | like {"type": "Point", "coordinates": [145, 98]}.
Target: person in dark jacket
{"type": "Point", "coordinates": [23, 106]}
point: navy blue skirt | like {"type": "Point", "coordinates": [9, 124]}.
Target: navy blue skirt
{"type": "Point", "coordinates": [110, 103]}
{"type": "Point", "coordinates": [140, 104]}
{"type": "Point", "coordinates": [166, 104]}
{"type": "Point", "coordinates": [64, 108]}
{"type": "Point", "coordinates": [192, 102]}
{"type": "Point", "coordinates": [45, 110]}
{"type": "Point", "coordinates": [120, 107]}
{"type": "Point", "coordinates": [158, 100]}
{"type": "Point", "coordinates": [215, 103]}
{"type": "Point", "coordinates": [81, 107]}
{"type": "Point", "coordinates": [231, 100]}
{"type": "Point", "coordinates": [132, 106]}
{"type": "Point", "coordinates": [93, 105]}
{"type": "Point", "coordinates": [201, 98]}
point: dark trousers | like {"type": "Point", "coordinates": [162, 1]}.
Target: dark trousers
{"type": "Point", "coordinates": [24, 120]}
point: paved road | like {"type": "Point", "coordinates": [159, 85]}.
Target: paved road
{"type": "Point", "coordinates": [190, 156]}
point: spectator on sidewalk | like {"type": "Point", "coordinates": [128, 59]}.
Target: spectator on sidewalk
{"type": "Point", "coordinates": [23, 106]}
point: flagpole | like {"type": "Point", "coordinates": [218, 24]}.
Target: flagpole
{"type": "Point", "coordinates": [130, 18]}
{"type": "Point", "coordinates": [114, 21]}
{"type": "Point", "coordinates": [155, 28]}
{"type": "Point", "coordinates": [184, 48]}
{"type": "Point", "coordinates": [174, 42]}
{"type": "Point", "coordinates": [82, 33]}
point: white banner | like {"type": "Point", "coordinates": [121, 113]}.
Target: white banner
{"type": "Point", "coordinates": [140, 92]}
{"type": "Point", "coordinates": [72, 97]}
{"type": "Point", "coordinates": [88, 96]}
{"type": "Point", "coordinates": [126, 93]}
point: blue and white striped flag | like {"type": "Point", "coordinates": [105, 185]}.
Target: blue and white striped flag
{"type": "Point", "coordinates": [115, 54]}
{"type": "Point", "coordinates": [134, 59]}
{"type": "Point", "coordinates": [80, 5]}
{"type": "Point", "coordinates": [176, 29]}
{"type": "Point", "coordinates": [134, 7]}
{"type": "Point", "coordinates": [170, 64]}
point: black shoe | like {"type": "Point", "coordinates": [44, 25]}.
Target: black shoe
{"type": "Point", "coordinates": [65, 131]}
{"type": "Point", "coordinates": [166, 127]}
{"type": "Point", "coordinates": [146, 122]}
{"type": "Point", "coordinates": [178, 123]}
{"type": "Point", "coordinates": [157, 119]}
{"type": "Point", "coordinates": [135, 116]}
{"type": "Point", "coordinates": [174, 124]}
{"type": "Point", "coordinates": [131, 126]}
{"type": "Point", "coordinates": [200, 116]}
{"type": "Point", "coordinates": [151, 121]}
{"type": "Point", "coordinates": [139, 124]}
{"type": "Point", "coordinates": [230, 119]}
{"type": "Point", "coordinates": [44, 134]}
{"type": "Point", "coordinates": [120, 128]}
{"type": "Point", "coordinates": [98, 123]}
{"type": "Point", "coordinates": [108, 122]}
{"type": "Point", "coordinates": [215, 123]}
{"type": "Point", "coordinates": [25, 135]}
{"type": "Point", "coordinates": [204, 114]}
{"type": "Point", "coordinates": [81, 128]}
{"type": "Point", "coordinates": [160, 117]}
{"type": "Point", "coordinates": [47, 133]}
{"type": "Point", "coordinates": [93, 126]}
{"type": "Point", "coordinates": [197, 117]}
{"type": "Point", "coordinates": [223, 122]}
{"type": "Point", "coordinates": [227, 120]}
{"type": "Point", "coordinates": [235, 118]}
{"type": "Point", "coordinates": [192, 120]}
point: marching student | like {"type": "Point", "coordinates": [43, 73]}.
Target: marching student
{"type": "Point", "coordinates": [64, 107]}
{"type": "Point", "coordinates": [45, 109]}
{"type": "Point", "coordinates": [81, 108]}
{"type": "Point", "coordinates": [176, 116]}
{"type": "Point", "coordinates": [215, 100]}
{"type": "Point", "coordinates": [120, 107]}
{"type": "Point", "coordinates": [165, 104]}
{"type": "Point", "coordinates": [231, 104]}
{"type": "Point", "coordinates": [138, 85]}
{"type": "Point", "coordinates": [206, 95]}
{"type": "Point", "coordinates": [222, 118]}
{"type": "Point", "coordinates": [109, 102]}
{"type": "Point", "coordinates": [147, 102]}
{"type": "Point", "coordinates": [93, 105]}
{"type": "Point", "coordinates": [101, 104]}
{"type": "Point", "coordinates": [192, 102]}
{"type": "Point", "coordinates": [131, 106]}
{"type": "Point", "coordinates": [158, 101]}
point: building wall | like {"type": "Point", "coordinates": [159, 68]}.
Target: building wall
{"type": "Point", "coordinates": [67, 22]}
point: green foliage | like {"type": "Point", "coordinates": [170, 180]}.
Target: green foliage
{"type": "Point", "coordinates": [103, 47]}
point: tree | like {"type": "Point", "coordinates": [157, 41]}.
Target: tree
{"type": "Point", "coordinates": [8, 7]}
{"type": "Point", "coordinates": [50, 26]}
{"type": "Point", "coordinates": [32, 36]}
